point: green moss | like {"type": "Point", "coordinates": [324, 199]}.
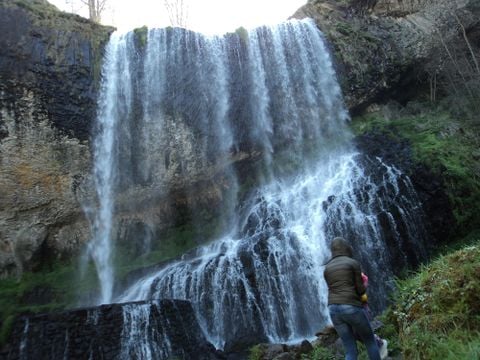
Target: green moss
{"type": "Point", "coordinates": [169, 245]}
{"type": "Point", "coordinates": [141, 35]}
{"type": "Point", "coordinates": [447, 146]}
{"type": "Point", "coordinates": [242, 34]}
{"type": "Point", "coordinates": [6, 328]}
{"type": "Point", "coordinates": [61, 283]}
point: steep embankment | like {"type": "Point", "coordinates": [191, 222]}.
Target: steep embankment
{"type": "Point", "coordinates": [49, 67]}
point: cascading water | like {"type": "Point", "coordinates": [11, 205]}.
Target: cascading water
{"type": "Point", "coordinates": [184, 104]}
{"type": "Point", "coordinates": [114, 102]}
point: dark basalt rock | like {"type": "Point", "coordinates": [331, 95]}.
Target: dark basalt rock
{"type": "Point", "coordinates": [165, 328]}
{"type": "Point", "coordinates": [57, 57]}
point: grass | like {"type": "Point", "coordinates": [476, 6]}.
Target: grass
{"type": "Point", "coordinates": [437, 311]}
{"type": "Point", "coordinates": [174, 242]}
{"type": "Point", "coordinates": [448, 146]}
{"type": "Point", "coordinates": [320, 353]}
{"type": "Point", "coordinates": [60, 283]}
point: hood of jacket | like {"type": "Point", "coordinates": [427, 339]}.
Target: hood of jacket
{"type": "Point", "coordinates": [340, 247]}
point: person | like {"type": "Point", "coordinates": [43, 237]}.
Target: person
{"type": "Point", "coordinates": [345, 290]}
{"type": "Point", "coordinates": [381, 343]}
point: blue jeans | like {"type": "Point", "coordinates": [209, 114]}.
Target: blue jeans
{"type": "Point", "coordinates": [350, 318]}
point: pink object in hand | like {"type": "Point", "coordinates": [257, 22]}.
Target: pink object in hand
{"type": "Point", "coordinates": [365, 279]}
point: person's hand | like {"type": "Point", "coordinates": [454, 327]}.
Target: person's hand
{"type": "Point", "coordinates": [364, 298]}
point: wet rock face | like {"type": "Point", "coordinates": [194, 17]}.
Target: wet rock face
{"type": "Point", "coordinates": [48, 66]}
{"type": "Point", "coordinates": [165, 329]}
{"type": "Point", "coordinates": [439, 218]}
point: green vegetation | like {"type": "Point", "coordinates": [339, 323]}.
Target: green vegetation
{"type": "Point", "coordinates": [242, 33]}
{"type": "Point", "coordinates": [141, 35]}
{"type": "Point", "coordinates": [448, 146]}
{"type": "Point", "coordinates": [55, 288]}
{"type": "Point", "coordinates": [321, 353]}
{"type": "Point", "coordinates": [437, 311]}
{"type": "Point", "coordinates": [172, 243]}
{"type": "Point", "coordinates": [256, 352]}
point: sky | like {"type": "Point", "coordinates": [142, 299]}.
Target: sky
{"type": "Point", "coordinates": [206, 16]}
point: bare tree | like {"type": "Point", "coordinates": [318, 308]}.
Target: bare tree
{"type": "Point", "coordinates": [177, 12]}
{"type": "Point", "coordinates": [95, 7]}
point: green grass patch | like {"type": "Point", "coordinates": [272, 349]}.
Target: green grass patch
{"type": "Point", "coordinates": [256, 352]}
{"type": "Point", "coordinates": [448, 146]}
{"type": "Point", "coordinates": [168, 245]}
{"type": "Point", "coordinates": [437, 311]}
{"type": "Point", "coordinates": [55, 288]}
{"type": "Point", "coordinates": [320, 353]}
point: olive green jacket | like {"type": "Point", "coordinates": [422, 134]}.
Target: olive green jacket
{"type": "Point", "coordinates": [344, 280]}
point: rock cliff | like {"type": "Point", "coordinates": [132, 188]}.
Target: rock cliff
{"type": "Point", "coordinates": [381, 46]}
{"type": "Point", "coordinates": [49, 71]}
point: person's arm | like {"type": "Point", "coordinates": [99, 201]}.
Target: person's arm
{"type": "Point", "coordinates": [359, 287]}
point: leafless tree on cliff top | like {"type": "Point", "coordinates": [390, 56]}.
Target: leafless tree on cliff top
{"type": "Point", "coordinates": [95, 7]}
{"type": "Point", "coordinates": [177, 12]}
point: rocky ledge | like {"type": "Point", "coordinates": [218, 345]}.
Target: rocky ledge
{"type": "Point", "coordinates": [162, 329]}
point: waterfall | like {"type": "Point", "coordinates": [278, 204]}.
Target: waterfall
{"type": "Point", "coordinates": [184, 106]}
{"type": "Point", "coordinates": [114, 102]}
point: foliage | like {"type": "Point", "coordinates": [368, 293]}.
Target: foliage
{"type": "Point", "coordinates": [55, 288]}
{"type": "Point", "coordinates": [319, 353]}
{"type": "Point", "coordinates": [242, 33]}
{"type": "Point", "coordinates": [437, 311]}
{"type": "Point", "coordinates": [141, 35]}
{"type": "Point", "coordinates": [256, 352]}
{"type": "Point", "coordinates": [447, 145]}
